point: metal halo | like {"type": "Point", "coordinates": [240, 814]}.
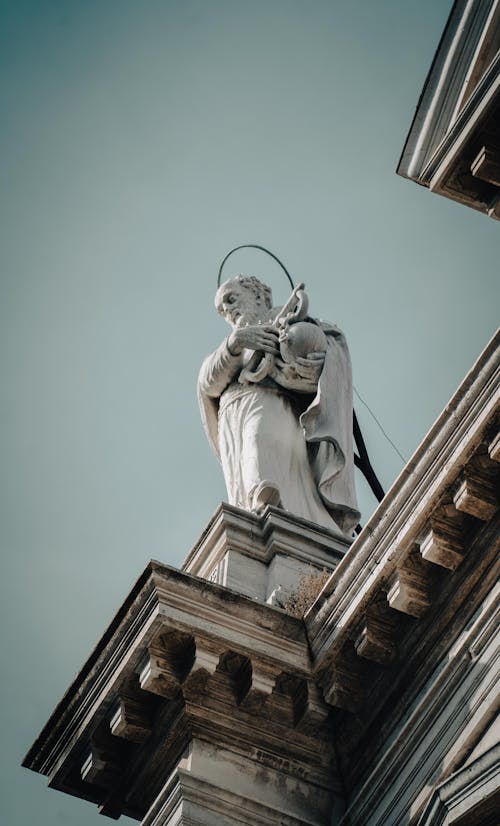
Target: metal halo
{"type": "Point", "coordinates": [257, 247]}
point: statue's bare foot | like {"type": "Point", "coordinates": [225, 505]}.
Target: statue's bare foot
{"type": "Point", "coordinates": [266, 493]}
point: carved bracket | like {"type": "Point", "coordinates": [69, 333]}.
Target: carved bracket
{"type": "Point", "coordinates": [101, 764]}
{"type": "Point", "coordinates": [176, 660]}
{"type": "Point", "coordinates": [345, 684]}
{"type": "Point", "coordinates": [376, 640]}
{"type": "Point", "coordinates": [410, 592]}
{"type": "Point", "coordinates": [443, 543]}
{"type": "Point", "coordinates": [130, 719]}
{"type": "Point", "coordinates": [156, 674]}
{"type": "Point", "coordinates": [477, 490]}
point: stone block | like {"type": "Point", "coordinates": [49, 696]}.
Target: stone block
{"type": "Point", "coordinates": [410, 591]}
{"type": "Point", "coordinates": [476, 496]}
{"type": "Point", "coordinates": [376, 641]}
{"type": "Point", "coordinates": [443, 543]}
{"type": "Point", "coordinates": [130, 720]}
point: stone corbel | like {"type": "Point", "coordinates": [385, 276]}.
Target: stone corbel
{"type": "Point", "coordinates": [101, 765]}
{"type": "Point", "coordinates": [410, 591]}
{"type": "Point", "coordinates": [485, 165]}
{"type": "Point", "coordinates": [156, 674]}
{"type": "Point", "coordinates": [376, 641]}
{"type": "Point", "coordinates": [312, 711]}
{"type": "Point", "coordinates": [112, 807]}
{"type": "Point", "coordinates": [477, 492]}
{"type": "Point", "coordinates": [170, 659]}
{"type": "Point", "coordinates": [443, 543]}
{"type": "Point", "coordinates": [299, 703]}
{"type": "Point", "coordinates": [344, 683]}
{"type": "Point", "coordinates": [202, 665]}
{"type": "Point", "coordinates": [130, 719]}
{"type": "Point", "coordinates": [262, 681]}
{"type": "Point", "coordinates": [206, 657]}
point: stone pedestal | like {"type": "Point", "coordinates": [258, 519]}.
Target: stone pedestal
{"type": "Point", "coordinates": [259, 556]}
{"type": "Point", "coordinates": [199, 706]}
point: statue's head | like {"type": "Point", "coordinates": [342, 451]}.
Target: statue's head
{"type": "Point", "coordinates": [243, 299]}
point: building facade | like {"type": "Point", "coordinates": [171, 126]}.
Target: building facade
{"type": "Point", "coordinates": [206, 704]}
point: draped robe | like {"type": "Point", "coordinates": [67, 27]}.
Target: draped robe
{"type": "Point", "coordinates": [300, 442]}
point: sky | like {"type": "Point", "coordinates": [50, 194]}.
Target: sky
{"type": "Point", "coordinates": [140, 141]}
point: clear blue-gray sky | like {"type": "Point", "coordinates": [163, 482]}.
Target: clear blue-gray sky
{"type": "Point", "coordinates": [140, 141]}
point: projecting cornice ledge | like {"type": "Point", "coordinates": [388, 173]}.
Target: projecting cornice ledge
{"type": "Point", "coordinates": [444, 86]}
{"type": "Point", "coordinates": [403, 634]}
{"type": "Point", "coordinates": [442, 506]}
{"type": "Point", "coordinates": [457, 116]}
{"type": "Point", "coordinates": [187, 662]}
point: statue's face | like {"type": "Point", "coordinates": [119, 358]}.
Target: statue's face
{"type": "Point", "coordinates": [239, 304]}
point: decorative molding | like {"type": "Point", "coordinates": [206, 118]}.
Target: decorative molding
{"type": "Point", "coordinates": [443, 544]}
{"type": "Point", "coordinates": [437, 729]}
{"type": "Point", "coordinates": [475, 110]}
{"type": "Point", "coordinates": [377, 638]}
{"type": "Point", "coordinates": [261, 538]}
{"type": "Point", "coordinates": [443, 87]}
{"type": "Point", "coordinates": [458, 111]}
{"type": "Point", "coordinates": [130, 719]}
{"type": "Point", "coordinates": [494, 448]}
{"type": "Point", "coordinates": [410, 591]}
{"type": "Point", "coordinates": [472, 792]}
{"type": "Point", "coordinates": [188, 800]}
{"type": "Point", "coordinates": [403, 517]}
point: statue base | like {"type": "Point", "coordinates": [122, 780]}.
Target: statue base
{"type": "Point", "coordinates": [263, 555]}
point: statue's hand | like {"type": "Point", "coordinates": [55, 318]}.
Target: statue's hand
{"type": "Point", "coordinates": [302, 374]}
{"type": "Point", "coordinates": [310, 368]}
{"type": "Point", "coordinates": [262, 337]}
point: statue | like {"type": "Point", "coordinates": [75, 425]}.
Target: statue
{"type": "Point", "coordinates": [276, 404]}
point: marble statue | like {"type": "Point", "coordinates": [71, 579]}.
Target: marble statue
{"type": "Point", "coordinates": [276, 403]}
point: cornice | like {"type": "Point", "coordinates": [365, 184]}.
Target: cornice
{"type": "Point", "coordinates": [444, 84]}
{"type": "Point", "coordinates": [485, 94]}
{"type": "Point", "coordinates": [399, 633]}
{"type": "Point", "coordinates": [163, 593]}
{"type": "Point", "coordinates": [186, 658]}
{"type": "Point", "coordinates": [438, 728]}
{"type": "Point", "coordinates": [403, 515]}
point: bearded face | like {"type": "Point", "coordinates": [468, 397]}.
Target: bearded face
{"type": "Point", "coordinates": [240, 305]}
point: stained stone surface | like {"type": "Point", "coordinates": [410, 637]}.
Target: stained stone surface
{"type": "Point", "coordinates": [202, 706]}
{"type": "Point", "coordinates": [202, 700]}
{"type": "Point", "coordinates": [258, 554]}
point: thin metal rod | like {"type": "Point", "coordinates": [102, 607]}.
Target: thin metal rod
{"type": "Point", "coordinates": [256, 247]}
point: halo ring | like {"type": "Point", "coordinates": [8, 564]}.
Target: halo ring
{"type": "Point", "coordinates": [256, 247]}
